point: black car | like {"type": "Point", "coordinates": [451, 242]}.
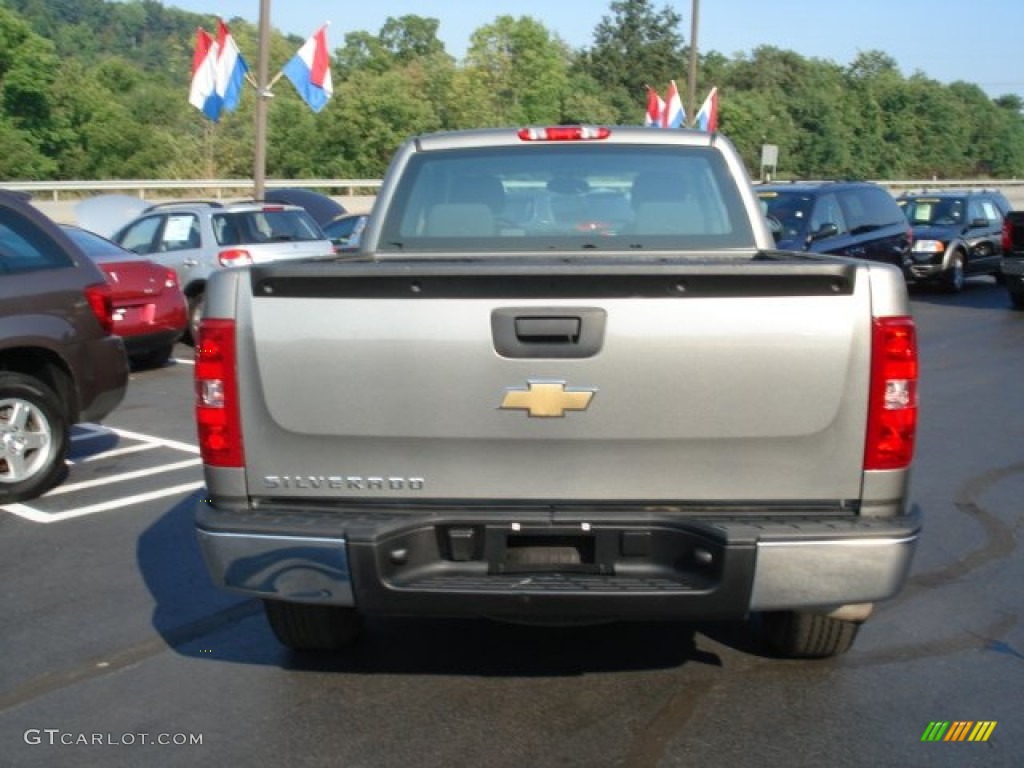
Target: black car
{"type": "Point", "coordinates": [956, 234]}
{"type": "Point", "coordinates": [321, 207]}
{"type": "Point", "coordinates": [60, 362]}
{"type": "Point", "coordinates": [847, 218]}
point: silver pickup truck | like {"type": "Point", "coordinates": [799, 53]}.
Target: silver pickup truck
{"type": "Point", "coordinates": [565, 379]}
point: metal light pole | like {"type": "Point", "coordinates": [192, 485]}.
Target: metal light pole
{"type": "Point", "coordinates": [262, 97]}
{"type": "Point", "coordinates": [691, 96]}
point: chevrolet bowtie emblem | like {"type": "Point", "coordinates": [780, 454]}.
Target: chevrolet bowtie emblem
{"type": "Point", "coordinates": [547, 399]}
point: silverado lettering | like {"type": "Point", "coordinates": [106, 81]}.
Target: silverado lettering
{"type": "Point", "coordinates": [338, 482]}
{"type": "Point", "coordinates": [629, 403]}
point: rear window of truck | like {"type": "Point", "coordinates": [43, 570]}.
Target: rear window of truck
{"type": "Point", "coordinates": [566, 197]}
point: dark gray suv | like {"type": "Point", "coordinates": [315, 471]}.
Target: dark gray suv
{"type": "Point", "coordinates": [956, 234]}
{"type": "Point", "coordinates": [59, 361]}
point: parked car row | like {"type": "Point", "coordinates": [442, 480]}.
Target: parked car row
{"type": "Point", "coordinates": [78, 309]}
{"type": "Point", "coordinates": [196, 239]}
{"type": "Point", "coordinates": [935, 238]}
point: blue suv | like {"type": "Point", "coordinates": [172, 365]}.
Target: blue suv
{"type": "Point", "coordinates": [846, 218]}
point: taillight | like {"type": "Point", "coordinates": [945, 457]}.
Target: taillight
{"type": "Point", "coordinates": [218, 419]}
{"type": "Point", "coordinates": [892, 411]}
{"type": "Point", "coordinates": [170, 279]}
{"type": "Point", "coordinates": [1007, 236]}
{"type": "Point", "coordinates": [565, 133]}
{"type": "Point", "coordinates": [234, 257]}
{"type": "Point", "coordinates": [101, 302]}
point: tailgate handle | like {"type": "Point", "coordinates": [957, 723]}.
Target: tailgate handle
{"type": "Point", "coordinates": [557, 332]}
{"type": "Point", "coordinates": [548, 330]}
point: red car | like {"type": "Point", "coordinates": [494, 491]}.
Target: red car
{"type": "Point", "coordinates": [149, 308]}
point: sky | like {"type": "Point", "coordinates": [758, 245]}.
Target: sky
{"type": "Point", "coordinates": [946, 40]}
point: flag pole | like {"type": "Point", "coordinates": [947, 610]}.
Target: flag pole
{"type": "Point", "coordinates": [691, 97]}
{"type": "Point", "coordinates": [262, 99]}
{"type": "Point", "coordinates": [273, 82]}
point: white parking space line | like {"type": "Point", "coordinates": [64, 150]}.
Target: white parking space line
{"type": "Point", "coordinates": [182, 361]}
{"type": "Point", "coordinates": [115, 452]}
{"type": "Point", "coordinates": [82, 432]}
{"type": "Point", "coordinates": [176, 445]}
{"type": "Point", "coordinates": [38, 516]}
{"type": "Point", "coordinates": [87, 432]}
{"type": "Point", "coordinates": [71, 488]}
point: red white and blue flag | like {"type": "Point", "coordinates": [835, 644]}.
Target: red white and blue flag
{"type": "Point", "coordinates": [310, 71]}
{"type": "Point", "coordinates": [203, 92]}
{"type": "Point", "coordinates": [707, 117]}
{"type": "Point", "coordinates": [231, 68]}
{"type": "Point", "coordinates": [674, 117]}
{"type": "Point", "coordinates": [655, 109]}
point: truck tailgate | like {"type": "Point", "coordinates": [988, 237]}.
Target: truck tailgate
{"type": "Point", "coordinates": [727, 384]}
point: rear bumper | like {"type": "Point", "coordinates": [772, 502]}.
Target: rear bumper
{"type": "Point", "coordinates": [511, 563]}
{"type": "Point", "coordinates": [925, 272]}
{"type": "Point", "coordinates": [151, 341]}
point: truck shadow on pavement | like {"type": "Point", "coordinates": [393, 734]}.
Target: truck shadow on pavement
{"type": "Point", "coordinates": [485, 648]}
{"type": "Point", "coordinates": [197, 619]}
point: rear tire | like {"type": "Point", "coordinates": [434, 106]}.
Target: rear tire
{"type": "Point", "coordinates": [195, 315]}
{"type": "Point", "coordinates": [34, 435]}
{"type": "Point", "coordinates": [1017, 300]}
{"type": "Point", "coordinates": [308, 627]}
{"type": "Point", "coordinates": [798, 635]}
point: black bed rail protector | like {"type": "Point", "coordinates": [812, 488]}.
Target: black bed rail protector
{"type": "Point", "coordinates": [482, 280]}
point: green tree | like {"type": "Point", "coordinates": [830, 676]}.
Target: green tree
{"type": "Point", "coordinates": [21, 158]}
{"type": "Point", "coordinates": [410, 37]}
{"type": "Point", "coordinates": [523, 68]}
{"type": "Point", "coordinates": [372, 116]}
{"type": "Point", "coordinates": [634, 47]}
{"type": "Point", "coordinates": [27, 80]}
{"type": "Point", "coordinates": [866, 80]}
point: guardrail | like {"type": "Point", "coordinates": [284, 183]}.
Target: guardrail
{"type": "Point", "coordinates": [1013, 188]}
{"type": "Point", "coordinates": [54, 189]}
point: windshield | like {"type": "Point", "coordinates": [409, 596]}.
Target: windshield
{"type": "Point", "coordinates": [97, 248]}
{"type": "Point", "coordinates": [566, 197]}
{"type": "Point", "coordinates": [264, 226]}
{"type": "Point", "coordinates": [791, 210]}
{"type": "Point", "coordinates": [936, 211]}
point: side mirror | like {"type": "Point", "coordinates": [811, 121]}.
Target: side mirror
{"type": "Point", "coordinates": [828, 229]}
